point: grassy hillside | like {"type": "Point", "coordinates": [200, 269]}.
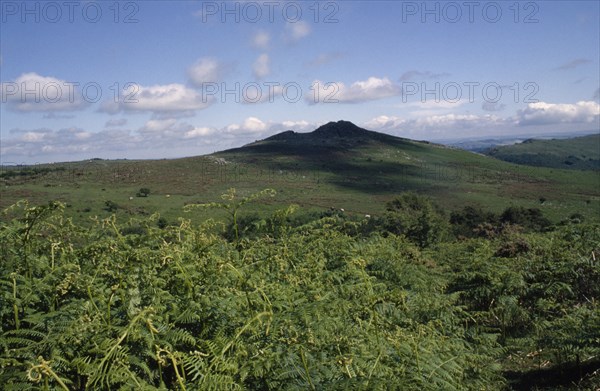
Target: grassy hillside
{"type": "Point", "coordinates": [581, 153]}
{"type": "Point", "coordinates": [419, 295]}
{"type": "Point", "coordinates": [337, 166]}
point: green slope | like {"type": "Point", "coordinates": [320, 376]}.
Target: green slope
{"type": "Point", "coordinates": [338, 165]}
{"type": "Point", "coordinates": [581, 153]}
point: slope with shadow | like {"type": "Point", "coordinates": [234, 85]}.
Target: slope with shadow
{"type": "Point", "coordinates": [356, 165]}
{"type": "Point", "coordinates": [358, 161]}
{"type": "Point", "coordinates": [342, 154]}
{"type": "Point", "coordinates": [337, 165]}
{"type": "Point", "coordinates": [327, 143]}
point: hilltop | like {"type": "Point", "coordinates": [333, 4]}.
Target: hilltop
{"type": "Point", "coordinates": [332, 137]}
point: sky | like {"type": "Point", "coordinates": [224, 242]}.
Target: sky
{"type": "Point", "coordinates": [165, 79]}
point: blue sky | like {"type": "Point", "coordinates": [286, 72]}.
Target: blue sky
{"type": "Point", "coordinates": [146, 79]}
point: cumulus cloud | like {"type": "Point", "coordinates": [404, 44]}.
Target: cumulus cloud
{"type": "Point", "coordinates": [42, 141]}
{"type": "Point", "coordinates": [261, 40]}
{"type": "Point", "coordinates": [31, 92]}
{"type": "Point", "coordinates": [547, 117]}
{"type": "Point", "coordinates": [572, 64]}
{"type": "Point", "coordinates": [206, 70]}
{"type": "Point", "coordinates": [384, 122]}
{"type": "Point", "coordinates": [542, 113]}
{"type": "Point", "coordinates": [158, 125]}
{"type": "Point", "coordinates": [198, 132]}
{"type": "Point", "coordinates": [169, 132]}
{"type": "Point", "coordinates": [437, 126]}
{"type": "Point", "coordinates": [360, 91]}
{"type": "Point", "coordinates": [75, 143]}
{"type": "Point", "coordinates": [296, 125]}
{"type": "Point", "coordinates": [262, 66]}
{"type": "Point", "coordinates": [159, 99]}
{"type": "Point", "coordinates": [250, 125]}
{"type": "Point", "coordinates": [294, 32]}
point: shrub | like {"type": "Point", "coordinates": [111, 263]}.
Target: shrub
{"type": "Point", "coordinates": [471, 222]}
{"type": "Point", "coordinates": [111, 206]}
{"type": "Point", "coordinates": [415, 217]}
{"type": "Point", "coordinates": [531, 219]}
{"type": "Point", "coordinates": [162, 223]}
{"type": "Point", "coordinates": [143, 192]}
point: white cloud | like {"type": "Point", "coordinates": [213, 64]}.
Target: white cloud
{"type": "Point", "coordinates": [547, 116]}
{"type": "Point", "coordinates": [438, 126]}
{"type": "Point", "coordinates": [156, 134]}
{"type": "Point", "coordinates": [250, 125]}
{"type": "Point", "coordinates": [384, 122]}
{"type": "Point", "coordinates": [360, 91]}
{"type": "Point", "coordinates": [206, 70]}
{"type": "Point", "coordinates": [42, 141]}
{"type": "Point", "coordinates": [158, 125]}
{"type": "Point", "coordinates": [31, 92]}
{"type": "Point", "coordinates": [199, 132]}
{"type": "Point", "coordinates": [303, 125]}
{"type": "Point", "coordinates": [464, 121]}
{"type": "Point", "coordinates": [296, 31]}
{"type": "Point", "coordinates": [34, 137]}
{"type": "Point", "coordinates": [261, 40]}
{"type": "Point", "coordinates": [541, 113]}
{"type": "Point", "coordinates": [160, 99]}
{"type": "Point", "coordinates": [262, 66]}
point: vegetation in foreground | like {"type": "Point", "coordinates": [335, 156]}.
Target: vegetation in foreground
{"type": "Point", "coordinates": [409, 300]}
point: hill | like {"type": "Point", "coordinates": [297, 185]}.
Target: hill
{"type": "Point", "coordinates": [108, 295]}
{"type": "Point", "coordinates": [338, 165]}
{"type": "Point", "coordinates": [580, 153]}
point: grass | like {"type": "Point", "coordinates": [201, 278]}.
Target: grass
{"type": "Point", "coordinates": [358, 172]}
{"type": "Point", "coordinates": [574, 153]}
